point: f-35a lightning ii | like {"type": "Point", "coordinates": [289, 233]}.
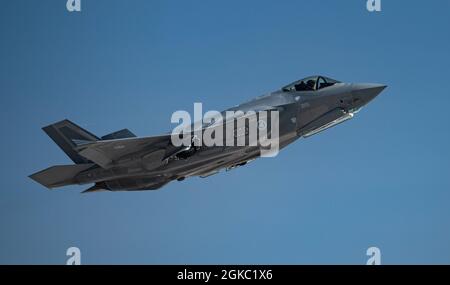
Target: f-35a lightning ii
{"type": "Point", "coordinates": [121, 161]}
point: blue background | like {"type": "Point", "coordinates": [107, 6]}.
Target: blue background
{"type": "Point", "coordinates": [381, 179]}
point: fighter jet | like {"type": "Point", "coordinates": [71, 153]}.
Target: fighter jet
{"type": "Point", "coordinates": [122, 162]}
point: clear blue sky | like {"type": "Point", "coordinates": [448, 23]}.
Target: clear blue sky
{"type": "Point", "coordinates": [381, 179]}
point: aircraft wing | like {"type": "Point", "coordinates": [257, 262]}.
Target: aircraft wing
{"type": "Point", "coordinates": [157, 148]}
{"type": "Point", "coordinates": [106, 153]}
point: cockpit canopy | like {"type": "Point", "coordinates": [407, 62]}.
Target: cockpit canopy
{"type": "Point", "coordinates": [310, 84]}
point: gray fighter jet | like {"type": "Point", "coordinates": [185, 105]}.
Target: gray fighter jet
{"type": "Point", "coordinates": [121, 161]}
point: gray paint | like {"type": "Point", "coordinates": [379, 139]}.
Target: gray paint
{"type": "Point", "coordinates": [120, 161]}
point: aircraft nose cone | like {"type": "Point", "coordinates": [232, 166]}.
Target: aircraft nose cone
{"type": "Point", "coordinates": [367, 91]}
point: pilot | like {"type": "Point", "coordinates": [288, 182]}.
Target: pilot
{"type": "Point", "coordinates": [301, 86]}
{"type": "Point", "coordinates": [311, 83]}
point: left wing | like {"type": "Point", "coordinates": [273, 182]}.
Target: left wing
{"type": "Point", "coordinates": [107, 153]}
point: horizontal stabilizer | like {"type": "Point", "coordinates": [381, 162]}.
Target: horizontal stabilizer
{"type": "Point", "coordinates": [122, 134]}
{"type": "Point", "coordinates": [59, 175]}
